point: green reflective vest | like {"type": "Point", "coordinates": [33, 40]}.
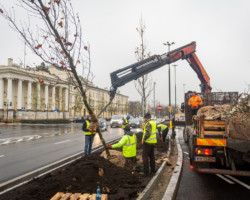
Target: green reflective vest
{"type": "Point", "coordinates": [163, 127]}
{"type": "Point", "coordinates": [152, 139]}
{"type": "Point", "coordinates": [128, 144]}
{"type": "Point", "coordinates": [88, 133]}
{"type": "Point", "coordinates": [125, 123]}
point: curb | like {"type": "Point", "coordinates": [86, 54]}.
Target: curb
{"type": "Point", "coordinates": [175, 179]}
{"type": "Point", "coordinates": [25, 178]}
{"type": "Point", "coordinates": [151, 185]}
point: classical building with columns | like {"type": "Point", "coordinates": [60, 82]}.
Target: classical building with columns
{"type": "Point", "coordinates": [48, 94]}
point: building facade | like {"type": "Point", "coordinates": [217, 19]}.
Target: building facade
{"type": "Point", "coordinates": [48, 94]}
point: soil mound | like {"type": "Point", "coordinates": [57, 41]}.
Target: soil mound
{"type": "Point", "coordinates": [85, 174]}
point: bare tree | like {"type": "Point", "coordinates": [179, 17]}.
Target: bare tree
{"type": "Point", "coordinates": [144, 84]}
{"type": "Point", "coordinates": [53, 32]}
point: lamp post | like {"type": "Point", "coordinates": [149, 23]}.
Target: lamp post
{"type": "Point", "coordinates": [7, 104]}
{"type": "Point", "coordinates": [47, 107]}
{"type": "Point", "coordinates": [169, 44]}
{"type": "Point", "coordinates": [175, 92]}
{"type": "Point", "coordinates": [184, 84]}
{"type": "Point", "coordinates": [154, 99]}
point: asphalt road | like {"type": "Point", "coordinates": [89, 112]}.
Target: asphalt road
{"type": "Point", "coordinates": [26, 148]}
{"type": "Point", "coordinates": [195, 186]}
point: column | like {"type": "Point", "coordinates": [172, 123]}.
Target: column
{"type": "Point", "coordinates": [1, 93]}
{"type": "Point", "coordinates": [53, 98]}
{"type": "Point", "coordinates": [19, 94]}
{"type": "Point", "coordinates": [60, 98]}
{"type": "Point", "coordinates": [29, 95]}
{"type": "Point", "coordinates": [9, 94]}
{"type": "Point", "coordinates": [66, 99]}
{"type": "Point", "coordinates": [46, 93]}
{"type": "Point", "coordinates": [38, 101]}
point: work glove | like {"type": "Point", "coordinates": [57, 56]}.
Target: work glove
{"type": "Point", "coordinates": [110, 147]}
{"type": "Point", "coordinates": [142, 142]}
{"type": "Point", "coordinates": [160, 138]}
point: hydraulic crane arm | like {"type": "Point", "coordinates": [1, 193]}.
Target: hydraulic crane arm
{"type": "Point", "coordinates": [132, 72]}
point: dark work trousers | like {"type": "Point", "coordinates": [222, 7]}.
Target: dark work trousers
{"type": "Point", "coordinates": [164, 134]}
{"type": "Point", "coordinates": [194, 112]}
{"type": "Point", "coordinates": [130, 162]}
{"type": "Point", "coordinates": [148, 153]}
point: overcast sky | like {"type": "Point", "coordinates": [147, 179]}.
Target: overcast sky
{"type": "Point", "coordinates": [221, 29]}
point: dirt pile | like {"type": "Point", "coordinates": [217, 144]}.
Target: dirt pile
{"type": "Point", "coordinates": [238, 119]}
{"type": "Point", "coordinates": [85, 174]}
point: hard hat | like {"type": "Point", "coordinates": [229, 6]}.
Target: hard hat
{"type": "Point", "coordinates": [128, 117]}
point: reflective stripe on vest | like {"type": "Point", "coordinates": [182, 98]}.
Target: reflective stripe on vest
{"type": "Point", "coordinates": [129, 149]}
{"type": "Point", "coordinates": [129, 143]}
{"type": "Point", "coordinates": [152, 138]}
{"type": "Point", "coordinates": [88, 133]}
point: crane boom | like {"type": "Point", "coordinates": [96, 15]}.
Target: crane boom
{"type": "Point", "coordinates": [132, 72]}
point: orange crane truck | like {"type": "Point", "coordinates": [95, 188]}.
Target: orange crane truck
{"type": "Point", "coordinates": [206, 150]}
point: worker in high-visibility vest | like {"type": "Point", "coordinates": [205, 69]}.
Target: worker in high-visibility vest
{"type": "Point", "coordinates": [195, 103]}
{"type": "Point", "coordinates": [125, 122]}
{"type": "Point", "coordinates": [89, 136]}
{"type": "Point", "coordinates": [149, 140]}
{"type": "Point", "coordinates": [128, 144]}
{"type": "Point", "coordinates": [163, 131]}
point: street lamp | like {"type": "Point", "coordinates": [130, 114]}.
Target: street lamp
{"type": "Point", "coordinates": [169, 44]}
{"type": "Point", "coordinates": [184, 84]}
{"type": "Point", "coordinates": [175, 84]}
{"type": "Point", "coordinates": [154, 99]}
{"type": "Point", "coordinates": [7, 104]}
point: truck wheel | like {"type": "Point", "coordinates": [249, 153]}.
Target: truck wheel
{"type": "Point", "coordinates": [191, 151]}
{"type": "Point", "coordinates": [185, 135]}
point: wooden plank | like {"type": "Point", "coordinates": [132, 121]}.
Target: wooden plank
{"type": "Point", "coordinates": [202, 127]}
{"type": "Point", "coordinates": [214, 132]}
{"type": "Point", "coordinates": [84, 196]}
{"type": "Point", "coordinates": [92, 197]}
{"type": "Point", "coordinates": [214, 126]}
{"type": "Point", "coordinates": [214, 122]}
{"type": "Point", "coordinates": [57, 196]}
{"type": "Point", "coordinates": [75, 196]}
{"type": "Point", "coordinates": [104, 197]}
{"type": "Point", "coordinates": [66, 196]}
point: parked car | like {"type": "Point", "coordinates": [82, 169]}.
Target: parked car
{"type": "Point", "coordinates": [103, 124]}
{"type": "Point", "coordinates": [136, 123]}
{"type": "Point", "coordinates": [180, 118]}
{"type": "Point", "coordinates": [79, 120]}
{"type": "Point", "coordinates": [108, 119]}
{"type": "Point", "coordinates": [116, 121]}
